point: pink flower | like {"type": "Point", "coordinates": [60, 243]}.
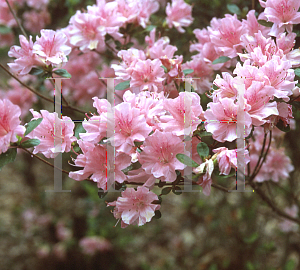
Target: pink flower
{"type": "Point", "coordinates": [205, 181]}
{"type": "Point", "coordinates": [179, 14]}
{"type": "Point", "coordinates": [26, 59]}
{"type": "Point", "coordinates": [51, 48]}
{"type": "Point", "coordinates": [225, 34]}
{"type": "Point", "coordinates": [287, 225]}
{"type": "Point", "coordinates": [34, 20]}
{"type": "Point", "coordinates": [91, 244]}
{"type": "Point", "coordinates": [37, 4]}
{"type": "Point", "coordinates": [130, 126]}
{"type": "Point", "coordinates": [283, 13]}
{"type": "Point", "coordinates": [9, 124]}
{"type": "Point", "coordinates": [222, 120]}
{"type": "Point", "coordinates": [147, 75]}
{"type": "Point", "coordinates": [161, 48]}
{"type": "Point", "coordinates": [185, 111]}
{"type": "Point", "coordinates": [95, 163]}
{"type": "Point", "coordinates": [135, 206]}
{"type": "Point", "coordinates": [253, 26]}
{"type": "Point", "coordinates": [87, 32]}
{"type": "Point", "coordinates": [227, 159]}
{"type": "Point", "coordinates": [159, 155]}
{"type": "Point", "coordinates": [47, 135]}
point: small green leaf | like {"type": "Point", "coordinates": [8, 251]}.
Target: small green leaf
{"type": "Point", "coordinates": [205, 134]}
{"type": "Point", "coordinates": [177, 190]}
{"type": "Point", "coordinates": [123, 85]}
{"type": "Point", "coordinates": [290, 265]}
{"type": "Point", "coordinates": [129, 45]}
{"type": "Point", "coordinates": [5, 30]}
{"type": "Point", "coordinates": [252, 238]}
{"type": "Point", "coordinates": [250, 266]}
{"type": "Point", "coordinates": [165, 69]}
{"type": "Point", "coordinates": [157, 214]}
{"type": "Point", "coordinates": [159, 201]}
{"type": "Point", "coordinates": [203, 150]}
{"type": "Point", "coordinates": [36, 71]}
{"type": "Point", "coordinates": [8, 157]}
{"type": "Point", "coordinates": [32, 125]}
{"type": "Point", "coordinates": [30, 143]}
{"type": "Point", "coordinates": [227, 176]}
{"type": "Point", "coordinates": [280, 125]}
{"type": "Point", "coordinates": [221, 59]}
{"type": "Point", "coordinates": [265, 23]}
{"type": "Point", "coordinates": [297, 72]}
{"type": "Point", "coordinates": [149, 28]}
{"type": "Point", "coordinates": [166, 190]}
{"type": "Point", "coordinates": [19, 139]}
{"type": "Point", "coordinates": [234, 9]}
{"type": "Point", "coordinates": [161, 183]}
{"type": "Point", "coordinates": [79, 129]}
{"type": "Point", "coordinates": [187, 160]}
{"type": "Point", "coordinates": [62, 73]}
{"type": "Point", "coordinates": [187, 71]}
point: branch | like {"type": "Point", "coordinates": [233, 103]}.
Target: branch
{"type": "Point", "coordinates": [19, 24]}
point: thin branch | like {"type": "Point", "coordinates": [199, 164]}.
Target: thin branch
{"type": "Point", "coordinates": [266, 199]}
{"type": "Point", "coordinates": [45, 161]}
{"type": "Point", "coordinates": [37, 93]}
{"type": "Point", "coordinates": [18, 22]}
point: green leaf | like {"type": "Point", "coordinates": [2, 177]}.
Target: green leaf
{"type": "Point", "coordinates": [79, 129]}
{"type": "Point", "coordinates": [203, 150]}
{"type": "Point", "coordinates": [234, 9]}
{"type": "Point", "coordinates": [8, 157]}
{"type": "Point", "coordinates": [177, 190]}
{"type": "Point", "coordinates": [265, 23]}
{"type": "Point", "coordinates": [166, 190]}
{"type": "Point", "coordinates": [36, 71]}
{"type": "Point", "coordinates": [280, 125]}
{"type": "Point", "coordinates": [129, 45]}
{"type": "Point", "coordinates": [290, 265]}
{"type": "Point", "coordinates": [149, 28]}
{"type": "Point", "coordinates": [32, 125]}
{"type": "Point", "coordinates": [159, 201]}
{"type": "Point", "coordinates": [62, 73]}
{"type": "Point", "coordinates": [250, 266]}
{"type": "Point", "coordinates": [19, 139]}
{"type": "Point", "coordinates": [123, 85]}
{"type": "Point", "coordinates": [186, 160]}
{"type": "Point", "coordinates": [252, 238]}
{"type": "Point", "coordinates": [5, 30]}
{"type": "Point", "coordinates": [297, 72]}
{"type": "Point", "coordinates": [30, 143]}
{"type": "Point", "coordinates": [187, 71]}
{"type": "Point", "coordinates": [165, 69]}
{"type": "Point", "coordinates": [227, 176]}
{"type": "Point", "coordinates": [157, 214]}
{"type": "Point", "coordinates": [221, 59]}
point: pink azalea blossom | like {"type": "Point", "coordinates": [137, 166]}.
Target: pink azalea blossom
{"type": "Point", "coordinates": [26, 59]}
{"type": "Point", "coordinates": [135, 206]}
{"type": "Point", "coordinates": [179, 14]}
{"type": "Point", "coordinates": [227, 159]}
{"type": "Point", "coordinates": [92, 244]}
{"type": "Point", "coordinates": [225, 34]}
{"type": "Point", "coordinates": [185, 111]}
{"type": "Point", "coordinates": [205, 181]}
{"type": "Point", "coordinates": [51, 48]}
{"type": "Point", "coordinates": [287, 225]}
{"type": "Point", "coordinates": [9, 124]}
{"type": "Point", "coordinates": [159, 155]}
{"type": "Point", "coordinates": [37, 4]}
{"type": "Point", "coordinates": [46, 133]}
{"type": "Point", "coordinates": [147, 75]}
{"type": "Point", "coordinates": [35, 21]}
{"type": "Point", "coordinates": [253, 26]}
{"type": "Point", "coordinates": [87, 32]}
{"type": "Point", "coordinates": [6, 18]}
{"type": "Point", "coordinates": [130, 126]}
{"type": "Point", "coordinates": [222, 118]}
{"type": "Point", "coordinates": [95, 163]}
{"type": "Point", "coordinates": [283, 13]}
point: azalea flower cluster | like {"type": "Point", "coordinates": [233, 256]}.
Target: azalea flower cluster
{"type": "Point", "coordinates": [147, 129]}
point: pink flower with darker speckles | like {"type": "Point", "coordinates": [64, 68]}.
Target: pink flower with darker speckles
{"type": "Point", "coordinates": [9, 124]}
{"type": "Point", "coordinates": [46, 133]}
{"type": "Point", "coordinates": [179, 14]}
{"type": "Point", "coordinates": [159, 155]}
{"type": "Point", "coordinates": [135, 206]}
{"type": "Point", "coordinates": [147, 75]}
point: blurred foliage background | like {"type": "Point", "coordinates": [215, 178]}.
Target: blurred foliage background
{"type": "Point", "coordinates": [43, 230]}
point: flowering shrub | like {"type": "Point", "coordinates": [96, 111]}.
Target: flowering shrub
{"type": "Point", "coordinates": [161, 126]}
